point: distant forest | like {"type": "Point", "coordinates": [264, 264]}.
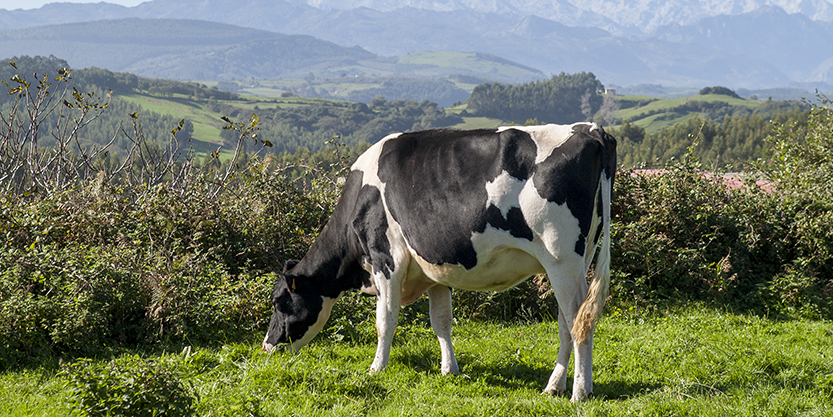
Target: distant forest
{"type": "Point", "coordinates": [731, 143]}
{"type": "Point", "coordinates": [565, 98]}
{"type": "Point", "coordinates": [720, 134]}
{"type": "Point", "coordinates": [725, 134]}
{"type": "Point", "coordinates": [440, 90]}
{"type": "Point", "coordinates": [288, 128]}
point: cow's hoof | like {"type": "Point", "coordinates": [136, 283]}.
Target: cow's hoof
{"type": "Point", "coordinates": [376, 369]}
{"type": "Point", "coordinates": [554, 392]}
{"type": "Point", "coordinates": [451, 371]}
{"type": "Point", "coordinates": [581, 398]}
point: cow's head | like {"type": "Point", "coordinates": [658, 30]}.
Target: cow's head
{"type": "Point", "coordinates": [300, 311]}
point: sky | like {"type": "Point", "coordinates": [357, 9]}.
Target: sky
{"type": "Point", "coordinates": [34, 4]}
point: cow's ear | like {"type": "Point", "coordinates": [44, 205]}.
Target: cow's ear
{"type": "Point", "coordinates": [289, 265]}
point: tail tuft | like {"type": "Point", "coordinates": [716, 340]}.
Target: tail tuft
{"type": "Point", "coordinates": [591, 309]}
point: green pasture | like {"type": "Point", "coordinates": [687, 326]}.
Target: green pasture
{"type": "Point", "coordinates": [478, 123]}
{"type": "Point", "coordinates": [465, 61]}
{"type": "Point", "coordinates": [693, 362]}
{"type": "Point", "coordinates": [654, 114]}
{"type": "Point", "coordinates": [207, 124]}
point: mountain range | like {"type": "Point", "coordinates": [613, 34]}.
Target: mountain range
{"type": "Point", "coordinates": [208, 51]}
{"type": "Point", "coordinates": [736, 43]}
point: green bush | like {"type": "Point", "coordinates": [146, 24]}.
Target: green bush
{"type": "Point", "coordinates": [682, 234]}
{"type": "Point", "coordinates": [99, 265]}
{"type": "Point", "coordinates": [128, 386]}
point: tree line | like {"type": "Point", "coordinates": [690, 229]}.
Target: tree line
{"type": "Point", "coordinates": [564, 98]}
{"type": "Point", "coordinates": [733, 142]}
{"type": "Point", "coordinates": [309, 126]}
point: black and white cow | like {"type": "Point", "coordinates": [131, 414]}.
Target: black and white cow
{"type": "Point", "coordinates": [474, 210]}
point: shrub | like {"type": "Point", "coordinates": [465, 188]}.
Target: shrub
{"type": "Point", "coordinates": [800, 167]}
{"type": "Point", "coordinates": [98, 266]}
{"type": "Point", "coordinates": [682, 234]}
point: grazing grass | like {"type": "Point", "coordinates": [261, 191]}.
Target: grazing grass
{"type": "Point", "coordinates": [692, 362]}
{"type": "Point", "coordinates": [432, 63]}
{"type": "Point", "coordinates": [478, 123]}
{"type": "Point", "coordinates": [653, 114]}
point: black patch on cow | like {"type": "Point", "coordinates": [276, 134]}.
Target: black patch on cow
{"type": "Point", "coordinates": [581, 244]}
{"type": "Point", "coordinates": [370, 225]}
{"type": "Point", "coordinates": [334, 261]}
{"type": "Point", "coordinates": [571, 175]}
{"type": "Point", "coordinates": [600, 214]}
{"type": "Point", "coordinates": [435, 187]}
{"type": "Point", "coordinates": [514, 222]}
{"type": "Point", "coordinates": [609, 156]}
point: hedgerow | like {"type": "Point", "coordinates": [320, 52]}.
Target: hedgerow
{"type": "Point", "coordinates": [686, 234]}
{"type": "Point", "coordinates": [97, 266]}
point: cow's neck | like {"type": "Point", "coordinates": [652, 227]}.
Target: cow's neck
{"type": "Point", "coordinates": [333, 262]}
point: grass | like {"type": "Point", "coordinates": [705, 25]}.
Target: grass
{"type": "Point", "coordinates": [432, 63]}
{"type": "Point", "coordinates": [207, 124]}
{"type": "Point", "coordinates": [662, 108]}
{"type": "Point", "coordinates": [694, 362]}
{"type": "Point", "coordinates": [478, 123]}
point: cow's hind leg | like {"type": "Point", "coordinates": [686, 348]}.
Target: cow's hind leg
{"type": "Point", "coordinates": [439, 302]}
{"type": "Point", "coordinates": [570, 287]}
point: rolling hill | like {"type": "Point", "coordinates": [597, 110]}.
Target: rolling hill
{"type": "Point", "coordinates": [653, 114]}
{"type": "Point", "coordinates": [199, 50]}
{"type": "Point", "coordinates": [774, 43]}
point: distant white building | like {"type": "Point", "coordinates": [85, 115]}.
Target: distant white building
{"type": "Point", "coordinates": [610, 91]}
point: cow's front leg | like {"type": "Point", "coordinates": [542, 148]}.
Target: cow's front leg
{"type": "Point", "coordinates": [558, 380]}
{"type": "Point", "coordinates": [388, 301]}
{"type": "Point", "coordinates": [439, 305]}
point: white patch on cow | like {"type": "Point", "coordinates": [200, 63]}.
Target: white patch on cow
{"type": "Point", "coordinates": [553, 223]}
{"type": "Point", "coordinates": [503, 192]}
{"type": "Point", "coordinates": [323, 315]}
{"type": "Point", "coordinates": [368, 163]}
{"type": "Point", "coordinates": [547, 137]}
{"type": "Point", "coordinates": [497, 269]}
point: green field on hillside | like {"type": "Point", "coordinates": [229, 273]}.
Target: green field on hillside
{"type": "Point", "coordinates": [653, 114]}
{"type": "Point", "coordinates": [478, 123]}
{"type": "Point", "coordinates": [427, 63]}
{"type": "Point", "coordinates": [207, 123]}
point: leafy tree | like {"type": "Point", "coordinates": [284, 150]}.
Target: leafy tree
{"type": "Point", "coordinates": [565, 98]}
{"type": "Point", "coordinates": [718, 90]}
{"type": "Point", "coordinates": [736, 141]}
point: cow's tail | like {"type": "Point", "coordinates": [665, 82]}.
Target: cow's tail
{"type": "Point", "coordinates": [591, 309]}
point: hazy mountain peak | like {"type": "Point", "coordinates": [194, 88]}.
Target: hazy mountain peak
{"type": "Point", "coordinates": [645, 15]}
